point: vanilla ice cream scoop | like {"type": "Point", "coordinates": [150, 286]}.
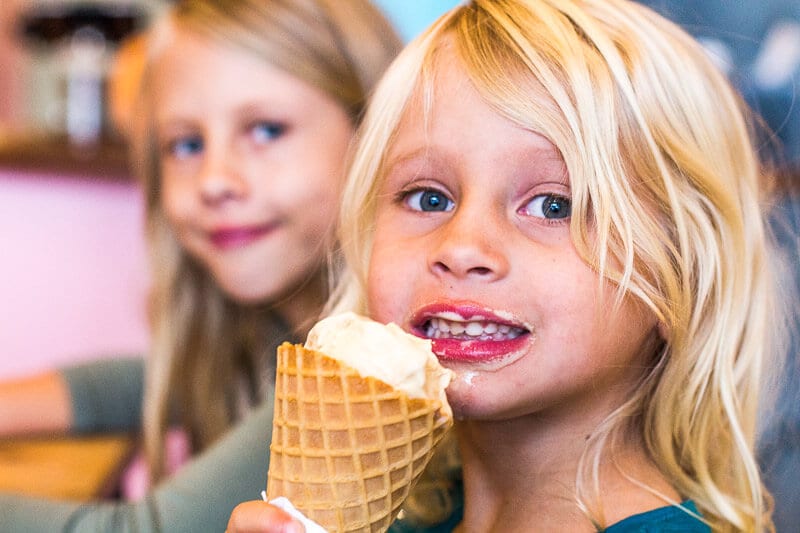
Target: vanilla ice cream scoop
{"type": "Point", "coordinates": [383, 351]}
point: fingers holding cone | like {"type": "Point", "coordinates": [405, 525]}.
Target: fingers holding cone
{"type": "Point", "coordinates": [260, 517]}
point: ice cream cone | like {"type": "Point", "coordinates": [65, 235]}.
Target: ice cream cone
{"type": "Point", "coordinates": [346, 449]}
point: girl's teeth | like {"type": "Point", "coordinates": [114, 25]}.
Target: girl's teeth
{"type": "Point", "coordinates": [443, 328]}
{"type": "Point", "coordinates": [474, 329]}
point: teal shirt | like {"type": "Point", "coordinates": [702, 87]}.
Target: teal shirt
{"type": "Point", "coordinates": [670, 519]}
{"type": "Point", "coordinates": [106, 395]}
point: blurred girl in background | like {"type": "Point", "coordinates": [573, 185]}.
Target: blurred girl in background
{"type": "Point", "coordinates": [241, 136]}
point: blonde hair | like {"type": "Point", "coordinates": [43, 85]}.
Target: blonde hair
{"type": "Point", "coordinates": [207, 349]}
{"type": "Point", "coordinates": [666, 197]}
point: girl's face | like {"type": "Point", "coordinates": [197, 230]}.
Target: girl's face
{"type": "Point", "coordinates": [472, 249]}
{"type": "Point", "coordinates": [252, 159]}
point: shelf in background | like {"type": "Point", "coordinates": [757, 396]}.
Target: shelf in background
{"type": "Point", "coordinates": [108, 159]}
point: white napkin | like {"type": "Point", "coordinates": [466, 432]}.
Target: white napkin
{"type": "Point", "coordinates": [286, 505]}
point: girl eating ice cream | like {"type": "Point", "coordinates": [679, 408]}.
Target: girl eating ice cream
{"type": "Point", "coordinates": [563, 196]}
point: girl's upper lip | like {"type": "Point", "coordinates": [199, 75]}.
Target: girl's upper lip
{"type": "Point", "coordinates": [463, 310]}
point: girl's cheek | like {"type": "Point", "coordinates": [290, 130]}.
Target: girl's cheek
{"type": "Point", "coordinates": [387, 305]}
{"type": "Point", "coordinates": [378, 298]}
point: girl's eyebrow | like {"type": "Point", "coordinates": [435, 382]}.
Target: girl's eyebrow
{"type": "Point", "coordinates": [174, 125]}
{"type": "Point", "coordinates": [259, 110]}
{"type": "Point", "coordinates": [393, 162]}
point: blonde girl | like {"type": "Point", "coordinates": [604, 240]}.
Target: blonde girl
{"type": "Point", "coordinates": [208, 331]}
{"type": "Point", "coordinates": [564, 196]}
{"type": "Point", "coordinates": [247, 112]}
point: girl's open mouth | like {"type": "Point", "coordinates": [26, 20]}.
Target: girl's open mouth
{"type": "Point", "coordinates": [480, 337]}
{"type": "Point", "coordinates": [482, 330]}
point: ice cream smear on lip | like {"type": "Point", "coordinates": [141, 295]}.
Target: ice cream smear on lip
{"type": "Point", "coordinates": [383, 351]}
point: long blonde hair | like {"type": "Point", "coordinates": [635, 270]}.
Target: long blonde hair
{"type": "Point", "coordinates": [666, 204]}
{"type": "Point", "coordinates": [207, 349]}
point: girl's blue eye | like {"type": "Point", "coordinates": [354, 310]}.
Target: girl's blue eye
{"type": "Point", "coordinates": [550, 206]}
{"type": "Point", "coordinates": [429, 200]}
{"type": "Point", "coordinates": [186, 147]}
{"type": "Point", "coordinates": [267, 131]}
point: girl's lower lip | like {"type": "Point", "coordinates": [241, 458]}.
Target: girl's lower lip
{"type": "Point", "coordinates": [238, 237]}
{"type": "Point", "coordinates": [476, 350]}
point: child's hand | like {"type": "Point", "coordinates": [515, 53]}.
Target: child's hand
{"type": "Point", "coordinates": [261, 517]}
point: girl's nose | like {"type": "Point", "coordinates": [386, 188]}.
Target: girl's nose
{"type": "Point", "coordinates": [470, 247]}
{"type": "Point", "coordinates": [221, 178]}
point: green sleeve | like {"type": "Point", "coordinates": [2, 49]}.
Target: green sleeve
{"type": "Point", "coordinates": [200, 497]}
{"type": "Point", "coordinates": [106, 395]}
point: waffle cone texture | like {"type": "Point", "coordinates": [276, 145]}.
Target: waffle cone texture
{"type": "Point", "coordinates": [346, 449]}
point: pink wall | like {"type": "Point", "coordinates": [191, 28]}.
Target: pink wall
{"type": "Point", "coordinates": [73, 272]}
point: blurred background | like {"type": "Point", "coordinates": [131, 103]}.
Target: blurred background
{"type": "Point", "coordinates": [74, 278]}
{"type": "Point", "coordinates": [46, 44]}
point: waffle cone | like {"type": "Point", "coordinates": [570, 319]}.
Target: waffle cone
{"type": "Point", "coordinates": [346, 449]}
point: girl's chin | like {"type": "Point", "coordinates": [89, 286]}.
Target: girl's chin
{"type": "Point", "coordinates": [464, 396]}
{"type": "Point", "coordinates": [250, 287]}
{"type": "Point", "coordinates": [246, 295]}
{"type": "Point", "coordinates": [466, 409]}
